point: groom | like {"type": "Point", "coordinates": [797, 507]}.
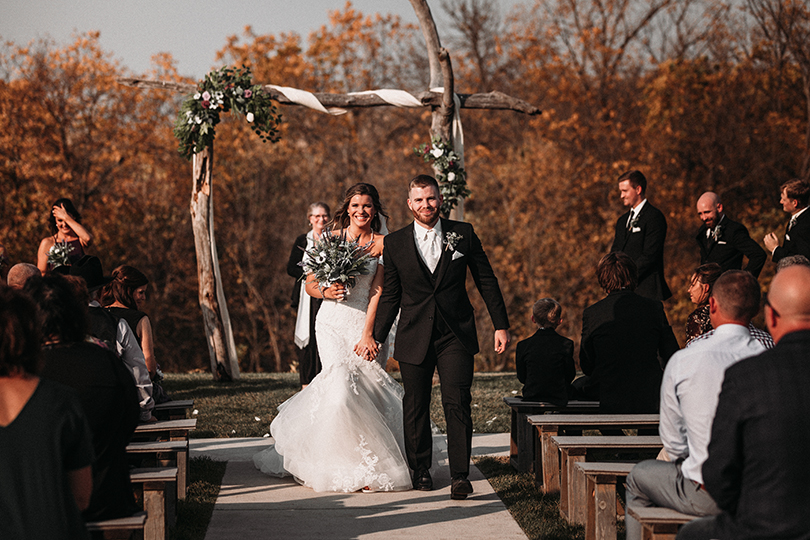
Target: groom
{"type": "Point", "coordinates": [425, 274]}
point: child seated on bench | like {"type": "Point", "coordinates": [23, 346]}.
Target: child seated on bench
{"type": "Point", "coordinates": [545, 361]}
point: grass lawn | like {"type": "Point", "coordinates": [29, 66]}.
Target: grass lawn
{"type": "Point", "coordinates": [246, 407]}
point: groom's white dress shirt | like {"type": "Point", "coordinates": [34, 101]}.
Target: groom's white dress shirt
{"type": "Point", "coordinates": [429, 243]}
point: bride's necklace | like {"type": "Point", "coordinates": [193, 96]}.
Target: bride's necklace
{"type": "Point", "coordinates": [359, 237]}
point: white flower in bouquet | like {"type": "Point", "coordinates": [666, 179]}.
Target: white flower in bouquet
{"type": "Point", "coordinates": [336, 259]}
{"type": "Point", "coordinates": [58, 254]}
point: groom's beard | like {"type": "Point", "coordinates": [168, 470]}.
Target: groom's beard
{"type": "Point", "coordinates": [428, 220]}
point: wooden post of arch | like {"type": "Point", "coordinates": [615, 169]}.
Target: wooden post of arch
{"type": "Point", "coordinates": [216, 319]}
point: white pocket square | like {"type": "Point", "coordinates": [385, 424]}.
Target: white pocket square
{"type": "Point", "coordinates": [635, 229]}
{"type": "Point", "coordinates": [720, 243]}
{"type": "Point", "coordinates": [457, 255]}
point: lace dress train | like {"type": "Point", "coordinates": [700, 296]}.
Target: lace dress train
{"type": "Point", "coordinates": [343, 432]}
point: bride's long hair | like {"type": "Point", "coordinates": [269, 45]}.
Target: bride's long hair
{"type": "Point", "coordinates": [341, 220]}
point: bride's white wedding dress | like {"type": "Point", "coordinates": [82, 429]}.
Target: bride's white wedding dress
{"type": "Point", "coordinates": [343, 432]}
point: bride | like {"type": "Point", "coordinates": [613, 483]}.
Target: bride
{"type": "Point", "coordinates": [344, 432]}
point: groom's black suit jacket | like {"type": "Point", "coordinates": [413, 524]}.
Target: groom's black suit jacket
{"type": "Point", "coordinates": [645, 245]}
{"type": "Point", "coordinates": [728, 250]}
{"type": "Point", "coordinates": [422, 297]}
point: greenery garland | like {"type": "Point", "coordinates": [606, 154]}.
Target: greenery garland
{"type": "Point", "coordinates": [450, 174]}
{"type": "Point", "coordinates": [224, 90]}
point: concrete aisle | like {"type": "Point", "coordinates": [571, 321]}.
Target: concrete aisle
{"type": "Point", "coordinates": [252, 505]}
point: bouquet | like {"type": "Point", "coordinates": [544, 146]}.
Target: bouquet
{"type": "Point", "coordinates": [336, 259]}
{"type": "Point", "coordinates": [58, 254]}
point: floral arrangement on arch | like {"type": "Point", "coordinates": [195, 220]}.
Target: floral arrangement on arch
{"type": "Point", "coordinates": [450, 174]}
{"type": "Point", "coordinates": [221, 91]}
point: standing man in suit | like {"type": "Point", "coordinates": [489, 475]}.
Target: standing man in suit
{"type": "Point", "coordinates": [623, 337]}
{"type": "Point", "coordinates": [724, 241]}
{"type": "Point", "coordinates": [794, 199]}
{"type": "Point", "coordinates": [641, 233]}
{"type": "Point", "coordinates": [426, 266]}
{"type": "Point", "coordinates": [757, 466]}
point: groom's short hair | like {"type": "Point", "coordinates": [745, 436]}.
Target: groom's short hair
{"type": "Point", "coordinates": [423, 181]}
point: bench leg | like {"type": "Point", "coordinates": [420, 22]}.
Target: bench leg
{"type": "Point", "coordinates": [577, 505]}
{"type": "Point", "coordinates": [513, 444]}
{"type": "Point", "coordinates": [604, 502]}
{"type": "Point", "coordinates": [182, 474]}
{"type": "Point", "coordinates": [550, 459]}
{"type": "Point", "coordinates": [659, 531]}
{"type": "Point", "coordinates": [525, 443]}
{"type": "Point", "coordinates": [154, 502]}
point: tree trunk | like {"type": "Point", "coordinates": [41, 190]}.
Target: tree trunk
{"type": "Point", "coordinates": [221, 345]}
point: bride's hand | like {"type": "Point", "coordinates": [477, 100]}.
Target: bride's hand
{"type": "Point", "coordinates": [367, 348]}
{"type": "Point", "coordinates": [335, 291]}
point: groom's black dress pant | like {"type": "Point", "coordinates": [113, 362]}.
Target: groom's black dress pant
{"type": "Point", "coordinates": [455, 366]}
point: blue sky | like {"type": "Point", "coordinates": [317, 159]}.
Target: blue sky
{"type": "Point", "coordinates": [191, 31]}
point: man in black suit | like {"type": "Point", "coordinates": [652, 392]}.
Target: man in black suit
{"type": "Point", "coordinates": [724, 241]}
{"type": "Point", "coordinates": [623, 336]}
{"type": "Point", "coordinates": [426, 266]}
{"type": "Point", "coordinates": [757, 466]}
{"type": "Point", "coordinates": [794, 199]}
{"type": "Point", "coordinates": [641, 233]}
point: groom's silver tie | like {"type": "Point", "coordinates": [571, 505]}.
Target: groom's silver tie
{"type": "Point", "coordinates": [433, 252]}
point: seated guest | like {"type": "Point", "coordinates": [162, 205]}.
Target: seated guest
{"type": "Point", "coordinates": [784, 262]}
{"type": "Point", "coordinates": [116, 333]}
{"type": "Point", "coordinates": [122, 297]}
{"type": "Point", "coordinates": [545, 361]}
{"type": "Point", "coordinates": [689, 392]}
{"type": "Point", "coordinates": [104, 386]}
{"type": "Point", "coordinates": [757, 469]}
{"type": "Point", "coordinates": [19, 273]}
{"type": "Point", "coordinates": [700, 289]}
{"type": "Point", "coordinates": [623, 336]}
{"type": "Point", "coordinates": [45, 449]}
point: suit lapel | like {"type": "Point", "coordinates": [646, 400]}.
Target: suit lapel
{"type": "Point", "coordinates": [625, 230]}
{"type": "Point", "coordinates": [446, 255]}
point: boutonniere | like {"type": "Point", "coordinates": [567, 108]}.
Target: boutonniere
{"type": "Point", "coordinates": [717, 233]}
{"type": "Point", "coordinates": [634, 222]}
{"type": "Point", "coordinates": [451, 240]}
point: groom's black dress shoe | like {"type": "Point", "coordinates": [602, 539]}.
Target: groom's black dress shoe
{"type": "Point", "coordinates": [422, 481]}
{"type": "Point", "coordinates": [460, 488]}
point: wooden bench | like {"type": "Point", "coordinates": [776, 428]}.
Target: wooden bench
{"type": "Point", "coordinates": [521, 453]}
{"type": "Point", "coordinates": [546, 457]}
{"type": "Point", "coordinates": [173, 430]}
{"type": "Point", "coordinates": [126, 528]}
{"type": "Point", "coordinates": [167, 453]}
{"type": "Point", "coordinates": [575, 449]}
{"type": "Point", "coordinates": [601, 482]}
{"type": "Point", "coordinates": [659, 523]}
{"type": "Point", "coordinates": [173, 410]}
{"type": "Point", "coordinates": [155, 486]}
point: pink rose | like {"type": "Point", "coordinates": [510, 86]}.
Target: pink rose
{"type": "Point", "coordinates": [206, 96]}
{"type": "Point", "coordinates": [248, 93]}
{"type": "Point", "coordinates": [205, 104]}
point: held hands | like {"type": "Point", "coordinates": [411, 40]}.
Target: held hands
{"type": "Point", "coordinates": [502, 339]}
{"type": "Point", "coordinates": [771, 242]}
{"type": "Point", "coordinates": [367, 348]}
